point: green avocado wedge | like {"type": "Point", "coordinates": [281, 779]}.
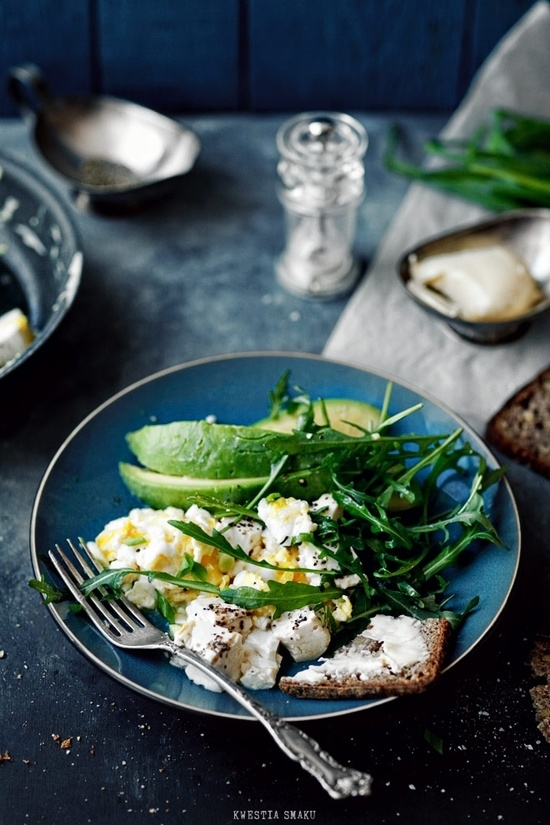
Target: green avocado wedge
{"type": "Point", "coordinates": [342, 414]}
{"type": "Point", "coordinates": [160, 490]}
{"type": "Point", "coordinates": [203, 450]}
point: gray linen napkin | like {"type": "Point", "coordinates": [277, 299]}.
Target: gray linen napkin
{"type": "Point", "coordinates": [382, 329]}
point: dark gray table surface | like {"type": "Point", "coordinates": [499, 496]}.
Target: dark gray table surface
{"type": "Point", "coordinates": [188, 277]}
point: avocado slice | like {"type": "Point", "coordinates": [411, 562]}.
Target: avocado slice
{"type": "Point", "coordinates": [342, 414]}
{"type": "Point", "coordinates": [203, 450]}
{"type": "Point", "coordinates": [160, 490]}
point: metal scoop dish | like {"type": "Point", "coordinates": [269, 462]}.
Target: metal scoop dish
{"type": "Point", "coordinates": [111, 152]}
{"type": "Point", "coordinates": [524, 232]}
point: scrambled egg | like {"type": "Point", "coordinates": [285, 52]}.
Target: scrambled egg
{"type": "Point", "coordinates": [244, 643]}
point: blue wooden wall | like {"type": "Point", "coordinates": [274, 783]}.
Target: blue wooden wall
{"type": "Point", "coordinates": [257, 55]}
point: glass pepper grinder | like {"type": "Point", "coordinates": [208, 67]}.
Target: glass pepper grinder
{"type": "Point", "coordinates": [321, 184]}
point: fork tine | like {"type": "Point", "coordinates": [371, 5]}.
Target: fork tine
{"type": "Point", "coordinates": [107, 614]}
{"type": "Point", "coordinates": [121, 600]}
{"type": "Point", "coordinates": [93, 607]}
{"type": "Point", "coordinates": [88, 564]}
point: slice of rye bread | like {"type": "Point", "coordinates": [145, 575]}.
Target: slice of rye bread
{"type": "Point", "coordinates": [521, 427]}
{"type": "Point", "coordinates": [414, 678]}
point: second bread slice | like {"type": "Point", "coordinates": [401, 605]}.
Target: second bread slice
{"type": "Point", "coordinates": [521, 428]}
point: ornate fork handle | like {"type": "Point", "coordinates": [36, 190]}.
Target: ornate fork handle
{"type": "Point", "coordinates": [336, 779]}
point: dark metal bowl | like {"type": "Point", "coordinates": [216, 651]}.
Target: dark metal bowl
{"type": "Point", "coordinates": [40, 254]}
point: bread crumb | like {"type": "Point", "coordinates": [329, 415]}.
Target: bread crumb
{"type": "Point", "coordinates": [64, 744]}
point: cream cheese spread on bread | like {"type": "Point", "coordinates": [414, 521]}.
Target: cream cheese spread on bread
{"type": "Point", "coordinates": [393, 656]}
{"type": "Point", "coordinates": [399, 644]}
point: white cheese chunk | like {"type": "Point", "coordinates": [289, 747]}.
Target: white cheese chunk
{"type": "Point", "coordinates": [219, 646]}
{"type": "Point", "coordinates": [309, 556]}
{"type": "Point", "coordinates": [246, 534]}
{"type": "Point", "coordinates": [214, 612]}
{"type": "Point", "coordinates": [328, 506]}
{"type": "Point", "coordinates": [261, 660]}
{"type": "Point", "coordinates": [216, 631]}
{"type": "Point", "coordinates": [302, 633]}
{"type": "Point", "coordinates": [285, 518]}
{"type": "Point", "coordinates": [15, 335]}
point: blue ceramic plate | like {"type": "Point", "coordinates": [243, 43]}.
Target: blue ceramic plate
{"type": "Point", "coordinates": [81, 491]}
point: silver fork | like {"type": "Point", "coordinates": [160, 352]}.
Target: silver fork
{"type": "Point", "coordinates": [125, 626]}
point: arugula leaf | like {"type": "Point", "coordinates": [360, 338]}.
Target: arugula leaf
{"type": "Point", "coordinates": [279, 397]}
{"type": "Point", "coordinates": [50, 592]}
{"type": "Point", "coordinates": [164, 607]}
{"type": "Point", "coordinates": [219, 541]}
{"type": "Point", "coordinates": [193, 568]}
{"type": "Point", "coordinates": [282, 596]}
{"type": "Point", "coordinates": [114, 578]}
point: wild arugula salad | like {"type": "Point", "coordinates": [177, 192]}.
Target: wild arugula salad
{"type": "Point", "coordinates": [322, 515]}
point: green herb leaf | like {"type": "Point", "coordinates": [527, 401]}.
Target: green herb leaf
{"type": "Point", "coordinates": [166, 610]}
{"type": "Point", "coordinates": [114, 578]}
{"type": "Point", "coordinates": [219, 541]}
{"type": "Point", "coordinates": [50, 592]}
{"type": "Point", "coordinates": [282, 596]}
{"type": "Point", "coordinates": [505, 164]}
{"type": "Point", "coordinates": [193, 568]}
{"type": "Point", "coordinates": [434, 740]}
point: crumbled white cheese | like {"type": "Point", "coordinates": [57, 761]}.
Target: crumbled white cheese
{"type": "Point", "coordinates": [302, 633]}
{"type": "Point", "coordinates": [328, 506]}
{"type": "Point", "coordinates": [244, 643]}
{"type": "Point", "coordinates": [246, 534]}
{"type": "Point", "coordinates": [261, 660]}
{"type": "Point", "coordinates": [15, 335]}
{"type": "Point", "coordinates": [286, 518]}
{"type": "Point", "coordinates": [216, 630]}
{"type": "Point", "coordinates": [309, 556]}
{"type": "Point", "coordinates": [221, 648]}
